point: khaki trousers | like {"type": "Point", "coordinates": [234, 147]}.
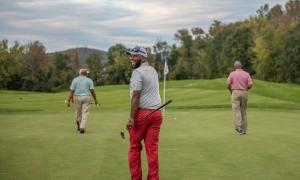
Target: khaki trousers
{"type": "Point", "coordinates": [82, 104]}
{"type": "Point", "coordinates": [239, 101]}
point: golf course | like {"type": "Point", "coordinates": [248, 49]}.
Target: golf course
{"type": "Point", "coordinates": [39, 140]}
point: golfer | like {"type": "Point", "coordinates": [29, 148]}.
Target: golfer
{"type": "Point", "coordinates": [239, 82]}
{"type": "Point", "coordinates": [80, 91]}
{"type": "Point", "coordinates": [144, 93]}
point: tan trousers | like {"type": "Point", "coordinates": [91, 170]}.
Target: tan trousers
{"type": "Point", "coordinates": [82, 104]}
{"type": "Point", "coordinates": [239, 108]}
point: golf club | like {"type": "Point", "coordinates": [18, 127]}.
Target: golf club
{"type": "Point", "coordinates": [122, 133]}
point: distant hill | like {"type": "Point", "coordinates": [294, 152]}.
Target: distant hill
{"type": "Point", "coordinates": [84, 53]}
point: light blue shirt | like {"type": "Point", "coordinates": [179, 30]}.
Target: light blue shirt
{"type": "Point", "coordinates": [82, 85]}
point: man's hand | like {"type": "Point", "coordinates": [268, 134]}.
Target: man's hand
{"type": "Point", "coordinates": [97, 104]}
{"type": "Point", "coordinates": [130, 123]}
{"type": "Point", "coordinates": [69, 101]}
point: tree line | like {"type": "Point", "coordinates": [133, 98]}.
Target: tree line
{"type": "Point", "coordinates": [267, 44]}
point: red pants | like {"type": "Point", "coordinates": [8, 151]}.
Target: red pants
{"type": "Point", "coordinates": [147, 129]}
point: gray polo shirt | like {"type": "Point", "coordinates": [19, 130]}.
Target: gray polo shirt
{"type": "Point", "coordinates": [145, 79]}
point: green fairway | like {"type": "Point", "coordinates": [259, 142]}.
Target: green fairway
{"type": "Point", "coordinates": [197, 141]}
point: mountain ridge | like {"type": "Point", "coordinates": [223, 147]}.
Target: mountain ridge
{"type": "Point", "coordinates": [84, 53]}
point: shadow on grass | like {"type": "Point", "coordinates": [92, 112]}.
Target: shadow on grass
{"type": "Point", "coordinates": [18, 111]}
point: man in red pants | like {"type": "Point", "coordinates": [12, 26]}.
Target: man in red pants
{"type": "Point", "coordinates": [144, 93]}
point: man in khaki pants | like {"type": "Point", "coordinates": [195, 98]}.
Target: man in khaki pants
{"type": "Point", "coordinates": [81, 89]}
{"type": "Point", "coordinates": [239, 82]}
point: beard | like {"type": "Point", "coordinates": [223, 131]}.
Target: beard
{"type": "Point", "coordinates": [137, 63]}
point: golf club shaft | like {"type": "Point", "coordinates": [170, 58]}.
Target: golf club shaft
{"type": "Point", "coordinates": [122, 133]}
{"type": "Point", "coordinates": [160, 107]}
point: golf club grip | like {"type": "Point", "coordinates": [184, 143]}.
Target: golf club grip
{"type": "Point", "coordinates": [168, 102]}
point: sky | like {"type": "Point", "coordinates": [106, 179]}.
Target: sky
{"type": "Point", "coordinates": [100, 24]}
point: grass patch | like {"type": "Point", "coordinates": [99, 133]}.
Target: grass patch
{"type": "Point", "coordinates": [197, 141]}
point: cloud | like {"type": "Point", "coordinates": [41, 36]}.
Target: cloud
{"type": "Point", "coordinates": [102, 23]}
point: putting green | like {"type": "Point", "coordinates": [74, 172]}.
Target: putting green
{"type": "Point", "coordinates": [39, 141]}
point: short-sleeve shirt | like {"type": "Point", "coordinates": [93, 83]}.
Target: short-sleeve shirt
{"type": "Point", "coordinates": [145, 79]}
{"type": "Point", "coordinates": [82, 85]}
{"type": "Point", "coordinates": [239, 80]}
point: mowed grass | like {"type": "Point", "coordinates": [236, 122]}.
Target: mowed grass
{"type": "Point", "coordinates": [39, 141]}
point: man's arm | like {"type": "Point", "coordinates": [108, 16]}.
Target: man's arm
{"type": "Point", "coordinates": [229, 83]}
{"type": "Point", "coordinates": [70, 98]}
{"type": "Point", "coordinates": [94, 96]}
{"type": "Point", "coordinates": [134, 107]}
{"type": "Point", "coordinates": [229, 88]}
{"type": "Point", "coordinates": [250, 82]}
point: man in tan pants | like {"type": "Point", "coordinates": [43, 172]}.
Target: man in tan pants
{"type": "Point", "coordinates": [238, 83]}
{"type": "Point", "coordinates": [81, 89]}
